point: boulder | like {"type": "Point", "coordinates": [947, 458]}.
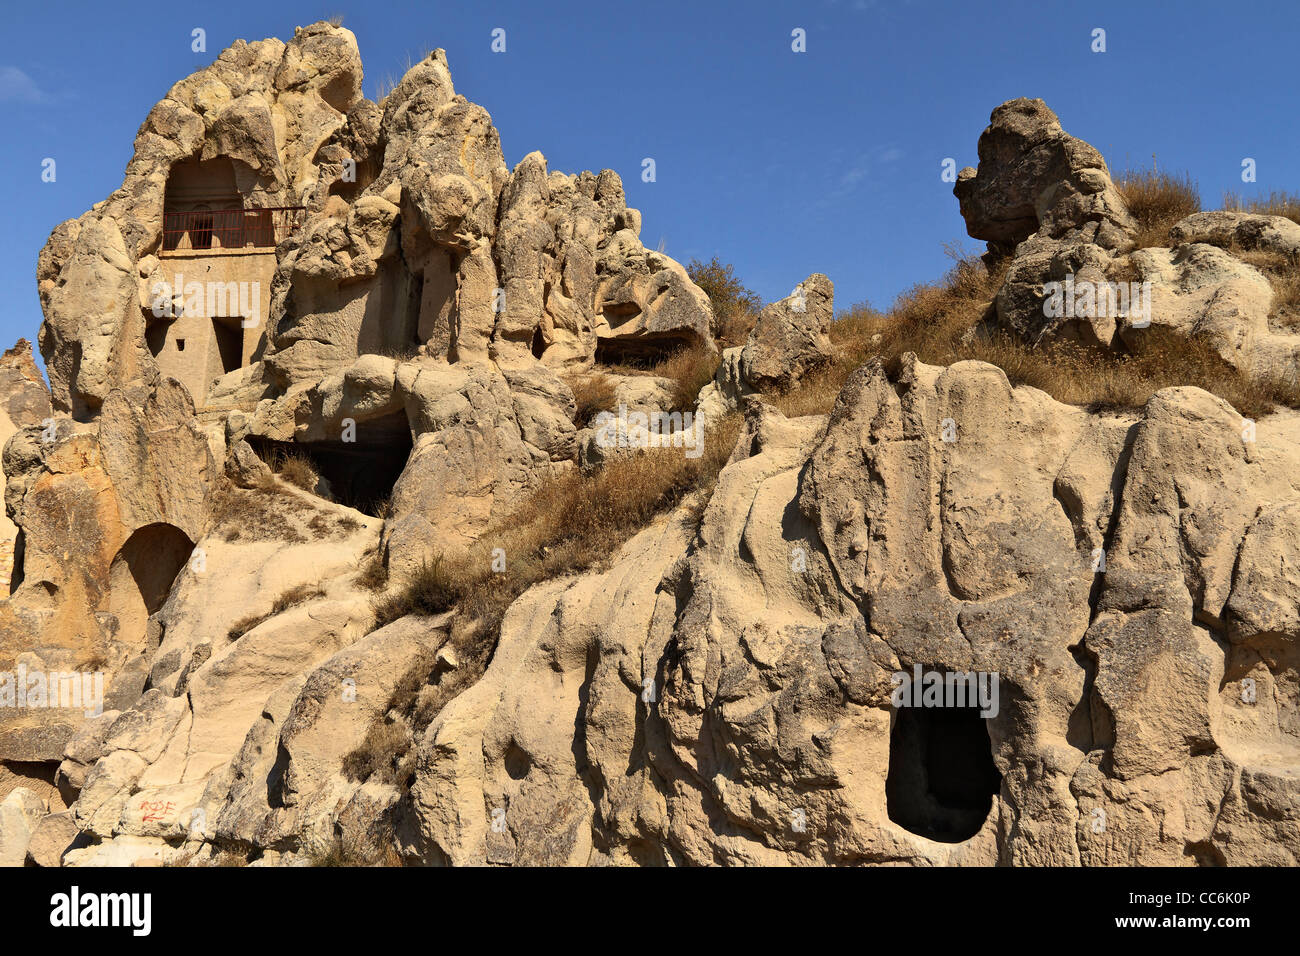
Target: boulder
{"type": "Point", "coordinates": [790, 337]}
{"type": "Point", "coordinates": [20, 814]}
{"type": "Point", "coordinates": [1033, 177]}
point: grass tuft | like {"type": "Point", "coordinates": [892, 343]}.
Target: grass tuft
{"type": "Point", "coordinates": [593, 393]}
{"type": "Point", "coordinates": [299, 594]}
{"type": "Point", "coordinates": [1274, 204]}
{"type": "Point", "coordinates": [1158, 201]}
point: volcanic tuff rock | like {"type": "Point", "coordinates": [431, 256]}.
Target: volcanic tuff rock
{"type": "Point", "coordinates": [718, 689]}
{"type": "Point", "coordinates": [1045, 202]}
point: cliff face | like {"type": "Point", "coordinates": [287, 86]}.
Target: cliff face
{"type": "Point", "coordinates": [1115, 595]}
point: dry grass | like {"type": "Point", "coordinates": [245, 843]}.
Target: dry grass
{"type": "Point", "coordinates": [400, 353]}
{"type": "Point", "coordinates": [567, 525]}
{"type": "Point", "coordinates": [387, 752]}
{"type": "Point", "coordinates": [372, 574]}
{"type": "Point", "coordinates": [434, 587]}
{"type": "Point", "coordinates": [297, 469]}
{"type": "Point", "coordinates": [300, 594]}
{"type": "Point", "coordinates": [939, 322]}
{"type": "Point", "coordinates": [381, 753]}
{"type": "Point", "coordinates": [689, 369]}
{"type": "Point", "coordinates": [1157, 201]}
{"type": "Point", "coordinates": [1274, 204]}
{"type": "Point", "coordinates": [593, 393]}
{"type": "Point", "coordinates": [355, 852]}
{"type": "Point", "coordinates": [223, 859]}
{"type": "Point", "coordinates": [255, 514]}
{"type": "Point", "coordinates": [1283, 273]}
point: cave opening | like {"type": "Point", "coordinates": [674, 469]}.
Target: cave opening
{"type": "Point", "coordinates": [641, 352]}
{"type": "Point", "coordinates": [361, 474]}
{"type": "Point", "coordinates": [942, 778]}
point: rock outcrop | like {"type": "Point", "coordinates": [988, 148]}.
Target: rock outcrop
{"type": "Point", "coordinates": [732, 684]}
{"type": "Point", "coordinates": [1036, 179]}
{"type": "Point", "coordinates": [1046, 205]}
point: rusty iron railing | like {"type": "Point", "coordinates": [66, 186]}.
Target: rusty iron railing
{"type": "Point", "coordinates": [229, 228]}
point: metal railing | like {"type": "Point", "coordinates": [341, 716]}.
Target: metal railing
{"type": "Point", "coordinates": [229, 228]}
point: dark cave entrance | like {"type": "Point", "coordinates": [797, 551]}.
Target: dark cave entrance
{"type": "Point", "coordinates": [941, 772]}
{"type": "Point", "coordinates": [362, 473]}
{"type": "Point", "coordinates": [229, 335]}
{"type": "Point", "coordinates": [641, 352]}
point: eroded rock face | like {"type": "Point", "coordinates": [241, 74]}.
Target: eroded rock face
{"type": "Point", "coordinates": [26, 402]}
{"type": "Point", "coordinates": [269, 106]}
{"type": "Point", "coordinates": [731, 681]}
{"type": "Point", "coordinates": [109, 515]}
{"type": "Point", "coordinates": [790, 336]}
{"type": "Point", "coordinates": [789, 340]}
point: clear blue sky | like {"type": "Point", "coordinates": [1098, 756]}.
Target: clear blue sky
{"type": "Point", "coordinates": [781, 163]}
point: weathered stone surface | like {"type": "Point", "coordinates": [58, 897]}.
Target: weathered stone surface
{"type": "Point", "coordinates": [790, 337]}
{"type": "Point", "coordinates": [719, 688]}
{"type": "Point", "coordinates": [914, 551]}
{"type": "Point", "coordinates": [1046, 204]}
{"type": "Point", "coordinates": [26, 402]}
{"type": "Point", "coordinates": [54, 835]}
{"type": "Point", "coordinates": [1240, 230]}
{"type": "Point", "coordinates": [1034, 177]}
{"type": "Point", "coordinates": [270, 107]}
{"type": "Point", "coordinates": [20, 813]}
{"type": "Point", "coordinates": [1202, 291]}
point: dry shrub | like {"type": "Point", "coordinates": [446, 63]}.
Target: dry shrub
{"type": "Point", "coordinates": [1158, 201]}
{"type": "Point", "coordinates": [372, 573]}
{"type": "Point", "coordinates": [734, 328]}
{"type": "Point", "coordinates": [1283, 273]}
{"type": "Point", "coordinates": [1274, 204]}
{"type": "Point", "coordinates": [593, 393]}
{"type": "Point", "coordinates": [434, 587]}
{"type": "Point", "coordinates": [735, 307]}
{"type": "Point", "coordinates": [355, 851]}
{"type": "Point", "coordinates": [380, 753]}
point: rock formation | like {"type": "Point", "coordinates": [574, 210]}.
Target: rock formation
{"type": "Point", "coordinates": [721, 689]}
{"type": "Point", "coordinates": [1045, 203]}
